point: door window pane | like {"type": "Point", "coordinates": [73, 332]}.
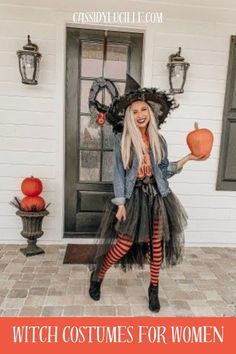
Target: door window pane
{"type": "Point", "coordinates": [116, 63]}
{"type": "Point", "coordinates": [84, 95]}
{"type": "Point", "coordinates": [91, 59]}
{"type": "Point", "coordinates": [108, 98]}
{"type": "Point", "coordinates": [121, 87]}
{"type": "Point", "coordinates": [90, 133]}
{"type": "Point", "coordinates": [107, 166]}
{"type": "Point", "coordinates": [89, 165]}
{"type": "Point", "coordinates": [108, 136]}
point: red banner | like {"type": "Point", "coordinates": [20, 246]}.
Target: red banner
{"type": "Point", "coordinates": [116, 335]}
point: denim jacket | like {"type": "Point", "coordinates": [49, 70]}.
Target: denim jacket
{"type": "Point", "coordinates": [124, 180]}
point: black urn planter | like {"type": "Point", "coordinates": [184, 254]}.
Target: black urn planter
{"type": "Point", "coordinates": [32, 230]}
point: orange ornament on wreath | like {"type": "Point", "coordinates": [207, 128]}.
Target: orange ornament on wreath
{"type": "Point", "coordinates": [101, 118]}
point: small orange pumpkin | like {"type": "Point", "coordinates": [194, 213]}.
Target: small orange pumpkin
{"type": "Point", "coordinates": [32, 204]}
{"type": "Point", "coordinates": [200, 141]}
{"type": "Point", "coordinates": [31, 186]}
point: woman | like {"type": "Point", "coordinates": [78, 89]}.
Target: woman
{"type": "Point", "coordinates": [145, 219]}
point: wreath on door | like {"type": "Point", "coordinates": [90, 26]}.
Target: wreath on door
{"type": "Point", "coordinates": [97, 109]}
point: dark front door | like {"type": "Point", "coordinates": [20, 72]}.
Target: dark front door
{"type": "Point", "coordinates": [88, 172]}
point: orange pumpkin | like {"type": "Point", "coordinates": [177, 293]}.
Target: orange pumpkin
{"type": "Point", "coordinates": [200, 141]}
{"type": "Point", "coordinates": [31, 186]}
{"type": "Point", "coordinates": [32, 204]}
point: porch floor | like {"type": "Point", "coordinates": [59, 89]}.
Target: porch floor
{"type": "Point", "coordinates": [203, 285]}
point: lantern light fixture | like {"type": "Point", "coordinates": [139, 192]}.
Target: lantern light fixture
{"type": "Point", "coordinates": [29, 59]}
{"type": "Point", "coordinates": [177, 72]}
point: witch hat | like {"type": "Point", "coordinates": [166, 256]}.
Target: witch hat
{"type": "Point", "coordinates": [131, 84]}
{"type": "Point", "coordinates": [160, 101]}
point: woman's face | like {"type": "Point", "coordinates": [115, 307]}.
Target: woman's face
{"type": "Point", "coordinates": [141, 113]}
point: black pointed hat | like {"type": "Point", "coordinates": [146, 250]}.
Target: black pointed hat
{"type": "Point", "coordinates": [131, 84]}
{"type": "Point", "coordinates": [160, 101]}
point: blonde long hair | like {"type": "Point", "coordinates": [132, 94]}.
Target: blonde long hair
{"type": "Point", "coordinates": [132, 137]}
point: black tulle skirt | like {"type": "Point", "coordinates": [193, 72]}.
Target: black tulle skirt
{"type": "Point", "coordinates": [144, 207]}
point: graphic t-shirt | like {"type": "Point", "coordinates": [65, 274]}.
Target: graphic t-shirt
{"type": "Point", "coordinates": [146, 167]}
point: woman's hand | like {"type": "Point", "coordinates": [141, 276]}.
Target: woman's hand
{"type": "Point", "coordinates": [199, 158]}
{"type": "Point", "coordinates": [189, 157]}
{"type": "Point", "coordinates": [121, 213]}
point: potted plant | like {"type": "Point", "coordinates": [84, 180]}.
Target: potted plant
{"type": "Point", "coordinates": [32, 210]}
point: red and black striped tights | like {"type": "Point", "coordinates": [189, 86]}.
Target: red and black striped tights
{"type": "Point", "coordinates": [122, 246]}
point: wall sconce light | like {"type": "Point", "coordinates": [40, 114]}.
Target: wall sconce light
{"type": "Point", "coordinates": [29, 59]}
{"type": "Point", "coordinates": [177, 72]}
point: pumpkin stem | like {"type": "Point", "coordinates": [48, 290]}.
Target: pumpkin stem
{"type": "Point", "coordinates": [196, 125]}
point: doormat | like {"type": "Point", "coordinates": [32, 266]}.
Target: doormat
{"type": "Point", "coordinates": [80, 254]}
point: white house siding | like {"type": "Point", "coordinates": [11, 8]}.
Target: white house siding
{"type": "Point", "coordinates": [32, 118]}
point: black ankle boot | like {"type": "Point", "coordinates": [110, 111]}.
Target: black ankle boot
{"type": "Point", "coordinates": [94, 289]}
{"type": "Point", "coordinates": [154, 304]}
